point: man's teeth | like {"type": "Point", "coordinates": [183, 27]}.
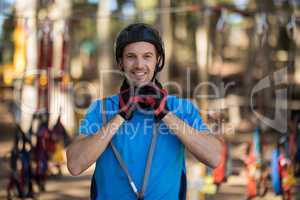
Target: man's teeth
{"type": "Point", "coordinates": [139, 73]}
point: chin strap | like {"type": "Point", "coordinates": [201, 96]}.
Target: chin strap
{"type": "Point", "coordinates": [158, 68]}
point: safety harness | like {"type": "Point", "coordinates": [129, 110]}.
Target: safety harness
{"type": "Point", "coordinates": [139, 194]}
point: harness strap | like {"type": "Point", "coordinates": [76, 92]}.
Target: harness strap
{"type": "Point", "coordinates": [139, 195]}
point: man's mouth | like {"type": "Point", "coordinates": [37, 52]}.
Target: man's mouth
{"type": "Point", "coordinates": [139, 75]}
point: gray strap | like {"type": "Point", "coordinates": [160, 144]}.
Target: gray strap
{"type": "Point", "coordinates": [139, 195]}
{"type": "Point", "coordinates": [124, 167]}
{"type": "Point", "coordinates": [116, 153]}
{"type": "Point", "coordinates": [149, 160]}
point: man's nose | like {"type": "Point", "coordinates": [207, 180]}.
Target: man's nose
{"type": "Point", "coordinates": [139, 63]}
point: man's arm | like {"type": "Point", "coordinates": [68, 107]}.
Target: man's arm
{"type": "Point", "coordinates": [85, 150]}
{"type": "Point", "coordinates": [204, 146]}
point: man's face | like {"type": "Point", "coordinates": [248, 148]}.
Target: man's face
{"type": "Point", "coordinates": [138, 62]}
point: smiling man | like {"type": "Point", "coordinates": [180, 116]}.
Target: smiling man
{"type": "Point", "coordinates": [139, 59]}
{"type": "Point", "coordinates": [138, 146]}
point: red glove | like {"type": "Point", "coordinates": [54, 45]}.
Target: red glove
{"type": "Point", "coordinates": [153, 96]}
{"type": "Point", "coordinates": [128, 100]}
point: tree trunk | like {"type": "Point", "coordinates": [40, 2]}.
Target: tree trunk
{"type": "Point", "coordinates": [104, 61]}
{"type": "Point", "coordinates": [203, 58]}
{"type": "Point", "coordinates": [166, 31]}
{"type": "Point", "coordinates": [297, 53]}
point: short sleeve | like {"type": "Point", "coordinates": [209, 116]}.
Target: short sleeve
{"type": "Point", "coordinates": [193, 117]}
{"type": "Point", "coordinates": [92, 120]}
{"type": "Point", "coordinates": [187, 111]}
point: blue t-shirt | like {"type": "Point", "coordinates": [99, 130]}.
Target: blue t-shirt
{"type": "Point", "coordinates": [133, 140]}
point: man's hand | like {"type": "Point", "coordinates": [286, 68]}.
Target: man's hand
{"type": "Point", "coordinates": [155, 97]}
{"type": "Point", "coordinates": [127, 103]}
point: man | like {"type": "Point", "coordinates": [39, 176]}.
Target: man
{"type": "Point", "coordinates": [139, 151]}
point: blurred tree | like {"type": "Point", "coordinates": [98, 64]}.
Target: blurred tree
{"type": "Point", "coordinates": [203, 57]}
{"type": "Point", "coordinates": [297, 40]}
{"type": "Point", "coordinates": [104, 60]}
{"type": "Point", "coordinates": [145, 7]}
{"type": "Point", "coordinates": [166, 31]}
{"type": "Point", "coordinates": [82, 34]}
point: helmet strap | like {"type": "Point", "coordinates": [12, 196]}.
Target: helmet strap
{"type": "Point", "coordinates": [121, 66]}
{"type": "Point", "coordinates": [157, 69]}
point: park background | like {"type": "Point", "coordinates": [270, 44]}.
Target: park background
{"type": "Point", "coordinates": [240, 57]}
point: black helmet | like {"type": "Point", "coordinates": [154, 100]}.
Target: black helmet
{"type": "Point", "coordinates": [136, 33]}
